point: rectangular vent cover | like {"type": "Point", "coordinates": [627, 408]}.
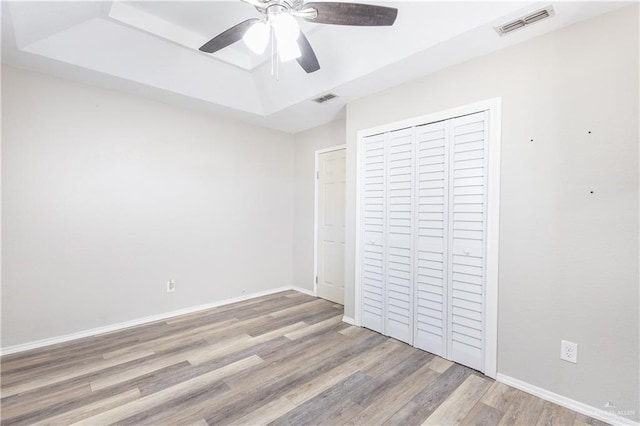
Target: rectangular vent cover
{"type": "Point", "coordinates": [325, 98]}
{"type": "Point", "coordinates": [536, 16]}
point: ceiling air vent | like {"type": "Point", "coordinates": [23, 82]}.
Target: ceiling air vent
{"type": "Point", "coordinates": [529, 19]}
{"type": "Point", "coordinates": [325, 98]}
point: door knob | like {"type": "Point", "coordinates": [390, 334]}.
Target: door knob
{"type": "Point", "coordinates": [465, 251]}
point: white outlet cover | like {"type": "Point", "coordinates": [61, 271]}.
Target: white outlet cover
{"type": "Point", "coordinates": [569, 351]}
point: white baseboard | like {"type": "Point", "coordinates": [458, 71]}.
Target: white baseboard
{"type": "Point", "coordinates": [303, 290]}
{"type": "Point", "coordinates": [348, 320]}
{"type": "Point", "coordinates": [140, 321]}
{"type": "Point", "coordinates": [596, 413]}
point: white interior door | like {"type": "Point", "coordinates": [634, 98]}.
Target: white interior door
{"type": "Point", "coordinates": [331, 218]}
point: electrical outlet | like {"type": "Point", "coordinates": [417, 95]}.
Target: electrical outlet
{"type": "Point", "coordinates": [171, 286]}
{"type": "Point", "coordinates": [569, 351]}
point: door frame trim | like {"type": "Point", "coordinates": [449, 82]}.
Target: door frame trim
{"type": "Point", "coordinates": [494, 107]}
{"type": "Point", "coordinates": [315, 209]}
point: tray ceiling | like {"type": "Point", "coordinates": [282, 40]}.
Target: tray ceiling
{"type": "Point", "coordinates": [151, 48]}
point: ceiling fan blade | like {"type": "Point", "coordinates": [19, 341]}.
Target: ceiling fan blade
{"type": "Point", "coordinates": [352, 14]}
{"type": "Point", "coordinates": [228, 37]}
{"type": "Point", "coordinates": [307, 60]}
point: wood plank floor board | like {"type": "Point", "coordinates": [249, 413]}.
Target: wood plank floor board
{"type": "Point", "coordinates": [267, 413]}
{"type": "Point", "coordinates": [315, 337]}
{"type": "Point", "coordinates": [285, 358]}
{"type": "Point", "coordinates": [429, 399]}
{"type": "Point", "coordinates": [305, 315]}
{"type": "Point", "coordinates": [20, 407]}
{"type": "Point", "coordinates": [499, 396]}
{"type": "Point", "coordinates": [583, 420]}
{"type": "Point", "coordinates": [160, 399]}
{"type": "Point", "coordinates": [156, 380]}
{"type": "Point", "coordinates": [92, 409]}
{"type": "Point", "coordinates": [459, 402]}
{"type": "Point", "coordinates": [101, 367]}
{"type": "Point", "coordinates": [340, 372]}
{"type": "Point", "coordinates": [273, 306]}
{"type": "Point", "coordinates": [387, 404]}
{"type": "Point", "coordinates": [242, 306]}
{"type": "Point", "coordinates": [230, 308]}
{"type": "Point", "coordinates": [162, 379]}
{"type": "Point", "coordinates": [327, 405]}
{"type": "Point", "coordinates": [329, 322]}
{"type": "Point", "coordinates": [278, 368]}
{"type": "Point", "coordinates": [71, 354]}
{"type": "Point", "coordinates": [281, 387]}
{"type": "Point", "coordinates": [482, 415]}
{"type": "Point", "coordinates": [85, 364]}
{"type": "Point", "coordinates": [30, 412]}
{"type": "Point", "coordinates": [396, 369]}
{"type": "Point", "coordinates": [320, 364]}
{"type": "Point", "coordinates": [243, 383]}
{"type": "Point", "coordinates": [19, 364]}
{"type": "Point", "coordinates": [397, 354]}
{"type": "Point", "coordinates": [553, 414]}
{"type": "Point", "coordinates": [524, 410]}
{"type": "Point", "coordinates": [321, 316]}
{"type": "Point", "coordinates": [156, 415]}
{"type": "Point", "coordinates": [225, 348]}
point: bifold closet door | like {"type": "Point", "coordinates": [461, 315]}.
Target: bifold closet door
{"type": "Point", "coordinates": [423, 249]}
{"type": "Point", "coordinates": [399, 235]}
{"type": "Point", "coordinates": [467, 225]}
{"type": "Point", "coordinates": [431, 273]}
{"type": "Point", "coordinates": [387, 261]}
{"type": "Point", "coordinates": [373, 222]}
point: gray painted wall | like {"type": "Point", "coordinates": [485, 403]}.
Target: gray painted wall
{"type": "Point", "coordinates": [304, 147]}
{"type": "Point", "coordinates": [110, 195]}
{"type": "Point", "coordinates": [106, 196]}
{"type": "Point", "coordinates": [568, 258]}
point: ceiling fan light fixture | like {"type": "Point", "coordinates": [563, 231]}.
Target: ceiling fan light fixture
{"type": "Point", "coordinates": [288, 50]}
{"type": "Point", "coordinates": [286, 27]}
{"type": "Point", "coordinates": [257, 37]}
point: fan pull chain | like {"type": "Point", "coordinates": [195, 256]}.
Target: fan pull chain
{"type": "Point", "coordinates": [277, 54]}
{"type": "Point", "coordinates": [273, 49]}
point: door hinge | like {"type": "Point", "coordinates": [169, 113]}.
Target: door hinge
{"type": "Point", "coordinates": [317, 175]}
{"type": "Point", "coordinates": [316, 280]}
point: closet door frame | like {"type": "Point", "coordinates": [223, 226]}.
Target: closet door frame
{"type": "Point", "coordinates": [494, 108]}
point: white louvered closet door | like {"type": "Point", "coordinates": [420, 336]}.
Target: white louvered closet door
{"type": "Point", "coordinates": [424, 212]}
{"type": "Point", "coordinates": [373, 219]}
{"type": "Point", "coordinates": [399, 235]}
{"type": "Point", "coordinates": [467, 225]}
{"type": "Point", "coordinates": [431, 310]}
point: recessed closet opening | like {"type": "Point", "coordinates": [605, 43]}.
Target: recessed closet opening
{"type": "Point", "coordinates": [427, 232]}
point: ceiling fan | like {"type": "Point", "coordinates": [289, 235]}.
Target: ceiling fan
{"type": "Point", "coordinates": [280, 26]}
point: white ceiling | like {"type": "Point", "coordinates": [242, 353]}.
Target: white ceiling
{"type": "Point", "coordinates": [151, 48]}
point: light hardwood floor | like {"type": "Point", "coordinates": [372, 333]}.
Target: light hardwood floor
{"type": "Point", "coordinates": [281, 359]}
